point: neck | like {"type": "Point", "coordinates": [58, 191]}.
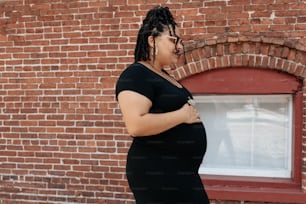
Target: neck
{"type": "Point", "coordinates": [153, 66]}
{"type": "Point", "coordinates": [161, 73]}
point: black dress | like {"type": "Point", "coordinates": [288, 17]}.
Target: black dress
{"type": "Point", "coordinates": [163, 168]}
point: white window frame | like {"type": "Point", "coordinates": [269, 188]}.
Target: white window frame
{"type": "Point", "coordinates": [281, 173]}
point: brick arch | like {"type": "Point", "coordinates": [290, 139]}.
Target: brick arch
{"type": "Point", "coordinates": [257, 52]}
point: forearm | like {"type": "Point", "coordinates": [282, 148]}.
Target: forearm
{"type": "Point", "coordinates": [154, 123]}
{"type": "Point", "coordinates": [140, 122]}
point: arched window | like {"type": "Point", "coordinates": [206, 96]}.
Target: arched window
{"type": "Point", "coordinates": [253, 119]}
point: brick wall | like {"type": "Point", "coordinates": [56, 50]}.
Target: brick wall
{"type": "Point", "coordinates": [62, 136]}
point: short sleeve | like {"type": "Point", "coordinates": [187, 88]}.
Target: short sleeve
{"type": "Point", "coordinates": [136, 78]}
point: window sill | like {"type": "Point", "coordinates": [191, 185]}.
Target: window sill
{"type": "Point", "coordinates": [253, 189]}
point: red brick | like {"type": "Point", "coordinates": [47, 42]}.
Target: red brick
{"type": "Point", "coordinates": [59, 63]}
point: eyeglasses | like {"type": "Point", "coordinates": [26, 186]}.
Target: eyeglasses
{"type": "Point", "coordinates": [176, 40]}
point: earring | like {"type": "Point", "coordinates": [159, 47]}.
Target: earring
{"type": "Point", "coordinates": [154, 51]}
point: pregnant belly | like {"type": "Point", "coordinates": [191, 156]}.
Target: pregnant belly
{"type": "Point", "coordinates": [184, 140]}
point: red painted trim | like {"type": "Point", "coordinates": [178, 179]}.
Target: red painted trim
{"type": "Point", "coordinates": [241, 81]}
{"type": "Point", "coordinates": [257, 195]}
{"type": "Point", "coordinates": [255, 81]}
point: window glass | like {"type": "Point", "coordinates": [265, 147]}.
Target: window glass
{"type": "Point", "coordinates": [248, 135]}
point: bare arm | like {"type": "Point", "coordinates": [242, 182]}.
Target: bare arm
{"type": "Point", "coordinates": [139, 122]}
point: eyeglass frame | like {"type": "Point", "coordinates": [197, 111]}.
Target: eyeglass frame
{"type": "Point", "coordinates": [177, 40]}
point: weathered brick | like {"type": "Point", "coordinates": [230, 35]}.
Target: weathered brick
{"type": "Point", "coordinates": [59, 64]}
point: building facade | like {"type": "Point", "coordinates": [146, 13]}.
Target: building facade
{"type": "Point", "coordinates": [63, 139]}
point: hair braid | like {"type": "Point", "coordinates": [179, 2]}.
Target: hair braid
{"type": "Point", "coordinates": [156, 21]}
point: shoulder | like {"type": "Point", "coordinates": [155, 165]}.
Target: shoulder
{"type": "Point", "coordinates": [135, 70]}
{"type": "Point", "coordinates": [138, 79]}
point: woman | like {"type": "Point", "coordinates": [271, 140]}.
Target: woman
{"type": "Point", "coordinates": [169, 139]}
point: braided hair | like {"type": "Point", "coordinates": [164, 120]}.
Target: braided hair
{"type": "Point", "coordinates": [156, 21]}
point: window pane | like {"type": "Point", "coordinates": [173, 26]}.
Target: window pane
{"type": "Point", "coordinates": [247, 134]}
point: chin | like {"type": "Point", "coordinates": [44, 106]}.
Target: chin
{"type": "Point", "coordinates": [175, 60]}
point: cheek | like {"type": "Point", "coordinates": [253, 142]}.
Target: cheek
{"type": "Point", "coordinates": [168, 49]}
{"type": "Point", "coordinates": [167, 54]}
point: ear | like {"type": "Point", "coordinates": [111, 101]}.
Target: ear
{"type": "Point", "coordinates": [151, 41]}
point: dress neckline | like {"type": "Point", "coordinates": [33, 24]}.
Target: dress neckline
{"type": "Point", "coordinates": [164, 75]}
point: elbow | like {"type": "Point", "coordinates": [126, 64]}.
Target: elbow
{"type": "Point", "coordinates": [134, 132]}
{"type": "Point", "coordinates": [136, 127]}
